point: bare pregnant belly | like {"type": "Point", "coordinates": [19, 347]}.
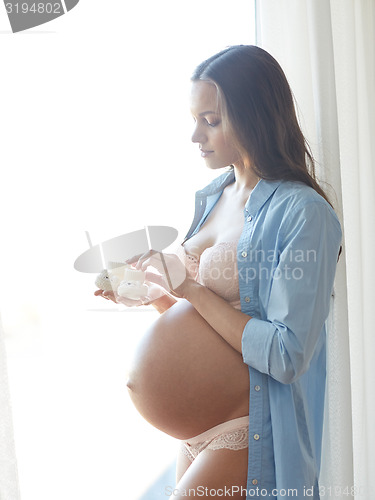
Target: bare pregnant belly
{"type": "Point", "coordinates": [185, 378]}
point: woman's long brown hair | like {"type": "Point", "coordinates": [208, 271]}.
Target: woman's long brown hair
{"type": "Point", "coordinates": [257, 104]}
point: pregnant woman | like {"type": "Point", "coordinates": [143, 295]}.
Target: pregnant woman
{"type": "Point", "coordinates": [235, 365]}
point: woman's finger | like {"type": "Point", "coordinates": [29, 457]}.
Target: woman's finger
{"type": "Point", "coordinates": [109, 296]}
{"type": "Point", "coordinates": [102, 293]}
{"type": "Point", "coordinates": [158, 279]}
{"type": "Point", "coordinates": [128, 302]}
{"type": "Point", "coordinates": [117, 299]}
{"type": "Point", "coordinates": [140, 257]}
{"type": "Point", "coordinates": [150, 262]}
{"type": "Point", "coordinates": [170, 267]}
{"type": "Point", "coordinates": [151, 258]}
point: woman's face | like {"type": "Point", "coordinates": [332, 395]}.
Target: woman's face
{"type": "Point", "coordinates": [216, 148]}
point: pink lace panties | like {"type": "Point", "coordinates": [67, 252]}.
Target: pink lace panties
{"type": "Point", "coordinates": [233, 435]}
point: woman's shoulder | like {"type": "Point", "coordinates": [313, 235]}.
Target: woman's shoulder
{"type": "Point", "coordinates": [295, 195]}
{"type": "Point", "coordinates": [297, 203]}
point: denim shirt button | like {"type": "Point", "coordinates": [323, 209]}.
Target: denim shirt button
{"type": "Point", "coordinates": [247, 299]}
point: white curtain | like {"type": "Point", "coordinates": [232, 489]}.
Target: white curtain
{"type": "Point", "coordinates": [327, 49]}
{"type": "Point", "coordinates": [9, 487]}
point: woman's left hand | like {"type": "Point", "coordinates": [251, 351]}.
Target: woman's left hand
{"type": "Point", "coordinates": [173, 276]}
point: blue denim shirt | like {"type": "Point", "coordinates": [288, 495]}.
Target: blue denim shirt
{"type": "Point", "coordinates": [286, 257]}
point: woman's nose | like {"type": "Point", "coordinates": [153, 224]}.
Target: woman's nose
{"type": "Point", "coordinates": [198, 135]}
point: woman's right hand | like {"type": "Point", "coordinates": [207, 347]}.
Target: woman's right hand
{"type": "Point", "coordinates": [154, 292]}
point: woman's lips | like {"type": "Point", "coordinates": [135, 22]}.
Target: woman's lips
{"type": "Point", "coordinates": [205, 153]}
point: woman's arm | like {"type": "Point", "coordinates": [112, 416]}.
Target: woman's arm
{"type": "Point", "coordinates": [163, 303]}
{"type": "Point", "coordinates": [225, 319]}
{"type": "Point", "coordinates": [283, 342]}
{"type": "Point", "coordinates": [228, 322]}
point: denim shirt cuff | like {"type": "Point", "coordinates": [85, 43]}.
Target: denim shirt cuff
{"type": "Point", "coordinates": [257, 340]}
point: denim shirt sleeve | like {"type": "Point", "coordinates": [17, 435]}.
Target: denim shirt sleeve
{"type": "Point", "coordinates": [282, 343]}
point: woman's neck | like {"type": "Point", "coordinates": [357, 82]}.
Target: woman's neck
{"type": "Point", "coordinates": [245, 179]}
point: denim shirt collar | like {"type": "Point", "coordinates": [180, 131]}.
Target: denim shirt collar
{"type": "Point", "coordinates": [217, 184]}
{"type": "Point", "coordinates": [260, 194]}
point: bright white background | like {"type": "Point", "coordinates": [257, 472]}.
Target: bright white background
{"type": "Point", "coordinates": [95, 136]}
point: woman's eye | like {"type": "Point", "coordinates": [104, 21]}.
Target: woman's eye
{"type": "Point", "coordinates": [213, 124]}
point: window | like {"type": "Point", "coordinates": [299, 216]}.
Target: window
{"type": "Point", "coordinates": [98, 139]}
